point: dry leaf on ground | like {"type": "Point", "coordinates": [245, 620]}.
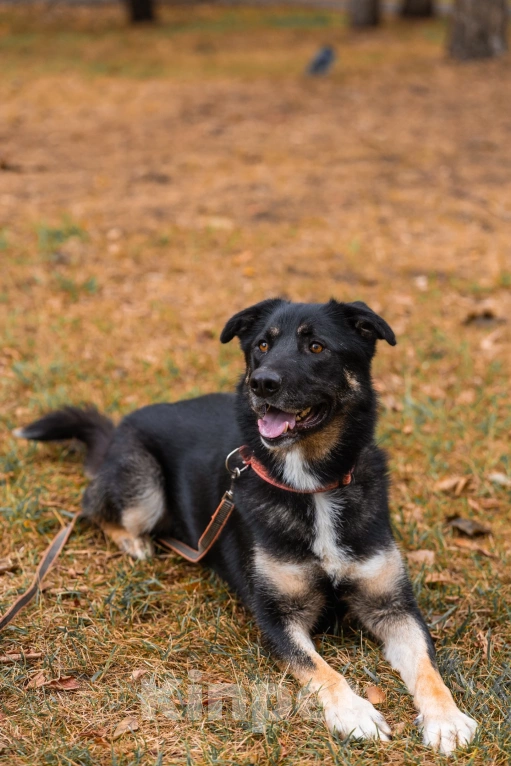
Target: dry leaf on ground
{"type": "Point", "coordinates": [500, 478]}
{"type": "Point", "coordinates": [489, 503]}
{"type": "Point", "coordinates": [138, 673]}
{"type": "Point", "coordinates": [438, 578]}
{"type": "Point", "coordinates": [421, 557]}
{"type": "Point", "coordinates": [466, 397]}
{"type": "Point", "coordinates": [39, 679]}
{"type": "Point", "coordinates": [482, 640]}
{"type": "Point", "coordinates": [484, 314]}
{"type": "Point", "coordinates": [6, 565]}
{"type": "Point", "coordinates": [128, 724]}
{"type": "Point", "coordinates": [468, 545]}
{"type": "Point", "coordinates": [65, 683]}
{"type": "Point", "coordinates": [16, 656]}
{"type": "Point", "coordinates": [375, 695]}
{"type": "Point", "coordinates": [454, 484]}
{"type": "Point", "coordinates": [470, 527]}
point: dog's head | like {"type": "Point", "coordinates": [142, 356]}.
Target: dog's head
{"type": "Point", "coordinates": [307, 364]}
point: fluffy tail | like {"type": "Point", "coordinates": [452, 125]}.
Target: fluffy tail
{"type": "Point", "coordinates": [87, 425]}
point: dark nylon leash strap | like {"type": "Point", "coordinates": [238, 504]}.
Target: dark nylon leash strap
{"type": "Point", "coordinates": [52, 552]}
{"type": "Point", "coordinates": [50, 555]}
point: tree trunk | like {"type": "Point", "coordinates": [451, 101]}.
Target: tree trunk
{"type": "Point", "coordinates": [140, 10]}
{"type": "Point", "coordinates": [364, 13]}
{"type": "Point", "coordinates": [417, 8]}
{"type": "Point", "coordinates": [478, 29]}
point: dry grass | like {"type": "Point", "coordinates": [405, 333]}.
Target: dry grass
{"type": "Point", "coordinates": [153, 182]}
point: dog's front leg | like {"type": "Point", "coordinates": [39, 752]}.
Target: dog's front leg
{"type": "Point", "coordinates": [383, 601]}
{"type": "Point", "coordinates": [286, 608]}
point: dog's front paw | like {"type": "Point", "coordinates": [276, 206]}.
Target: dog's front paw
{"type": "Point", "coordinates": [447, 731]}
{"type": "Point", "coordinates": [354, 717]}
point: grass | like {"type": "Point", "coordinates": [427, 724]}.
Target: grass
{"type": "Point", "coordinates": [154, 182]}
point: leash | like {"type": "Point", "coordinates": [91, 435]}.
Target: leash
{"type": "Point", "coordinates": [50, 555]}
{"type": "Point", "coordinates": [208, 538]}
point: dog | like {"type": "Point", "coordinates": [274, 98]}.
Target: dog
{"type": "Point", "coordinates": [310, 535]}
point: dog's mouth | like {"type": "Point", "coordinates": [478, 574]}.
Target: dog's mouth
{"type": "Point", "coordinates": [276, 423]}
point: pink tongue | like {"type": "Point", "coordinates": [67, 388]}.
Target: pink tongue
{"type": "Point", "coordinates": [274, 423]}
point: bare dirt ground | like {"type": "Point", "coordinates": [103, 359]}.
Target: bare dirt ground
{"type": "Point", "coordinates": [152, 183]}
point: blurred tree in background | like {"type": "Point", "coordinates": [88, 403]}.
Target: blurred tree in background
{"type": "Point", "coordinates": [478, 29]}
{"type": "Point", "coordinates": [417, 8]}
{"type": "Point", "coordinates": [364, 13]}
{"type": "Point", "coordinates": [140, 10]}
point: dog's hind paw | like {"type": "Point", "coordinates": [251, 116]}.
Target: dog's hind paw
{"type": "Point", "coordinates": [140, 548]}
{"type": "Point", "coordinates": [447, 732]}
{"type": "Point", "coordinates": [352, 716]}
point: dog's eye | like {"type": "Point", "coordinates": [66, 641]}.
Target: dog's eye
{"type": "Point", "coordinates": [316, 348]}
{"type": "Point", "coordinates": [263, 346]}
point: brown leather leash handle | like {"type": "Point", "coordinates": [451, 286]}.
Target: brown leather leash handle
{"type": "Point", "coordinates": [50, 555]}
{"type": "Point", "coordinates": [209, 536]}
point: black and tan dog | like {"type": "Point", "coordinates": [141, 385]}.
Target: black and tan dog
{"type": "Point", "coordinates": [310, 534]}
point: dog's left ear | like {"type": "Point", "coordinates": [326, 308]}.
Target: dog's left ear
{"type": "Point", "coordinates": [367, 323]}
{"type": "Point", "coordinates": [242, 322]}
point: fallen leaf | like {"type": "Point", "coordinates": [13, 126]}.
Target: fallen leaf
{"type": "Point", "coordinates": [454, 484]}
{"type": "Point", "coordinates": [138, 673]}
{"type": "Point", "coordinates": [6, 565]}
{"type": "Point", "coordinates": [65, 683]}
{"type": "Point", "coordinates": [488, 503]}
{"type": "Point", "coordinates": [438, 578]}
{"type": "Point", "coordinates": [474, 504]}
{"type": "Point", "coordinates": [433, 391]}
{"type": "Point", "coordinates": [466, 397]}
{"type": "Point", "coordinates": [399, 728]}
{"type": "Point", "coordinates": [98, 735]}
{"type": "Point", "coordinates": [500, 478]}
{"type": "Point", "coordinates": [470, 527]}
{"type": "Point", "coordinates": [16, 656]}
{"type": "Point", "coordinates": [491, 340]}
{"type": "Point", "coordinates": [391, 403]}
{"type": "Point", "coordinates": [36, 681]}
{"type": "Point", "coordinates": [375, 695]}
{"type": "Point", "coordinates": [408, 429]}
{"type": "Point", "coordinates": [471, 546]}
{"type": "Point", "coordinates": [129, 724]}
{"type": "Point", "coordinates": [484, 314]}
{"type": "Point", "coordinates": [421, 557]}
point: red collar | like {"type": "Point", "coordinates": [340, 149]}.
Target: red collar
{"type": "Point", "coordinates": [260, 470]}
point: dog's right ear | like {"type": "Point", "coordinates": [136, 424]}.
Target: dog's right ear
{"type": "Point", "coordinates": [242, 322]}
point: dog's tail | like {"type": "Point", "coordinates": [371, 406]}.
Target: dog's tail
{"type": "Point", "coordinates": [86, 425]}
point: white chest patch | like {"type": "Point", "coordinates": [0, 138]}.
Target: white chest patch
{"type": "Point", "coordinates": [296, 473]}
{"type": "Point", "coordinates": [333, 559]}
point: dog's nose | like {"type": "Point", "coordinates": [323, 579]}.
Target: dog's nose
{"type": "Point", "coordinates": [265, 382]}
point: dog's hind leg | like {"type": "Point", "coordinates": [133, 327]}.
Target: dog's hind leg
{"type": "Point", "coordinates": [127, 498]}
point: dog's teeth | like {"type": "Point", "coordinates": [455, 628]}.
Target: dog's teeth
{"type": "Point", "coordinates": [286, 427]}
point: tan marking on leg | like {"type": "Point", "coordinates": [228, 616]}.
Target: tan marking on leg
{"type": "Point", "coordinates": [136, 546]}
{"type": "Point", "coordinates": [379, 573]}
{"type": "Point", "coordinates": [443, 725]}
{"type": "Point", "coordinates": [345, 712]}
{"type": "Point", "coordinates": [290, 579]}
